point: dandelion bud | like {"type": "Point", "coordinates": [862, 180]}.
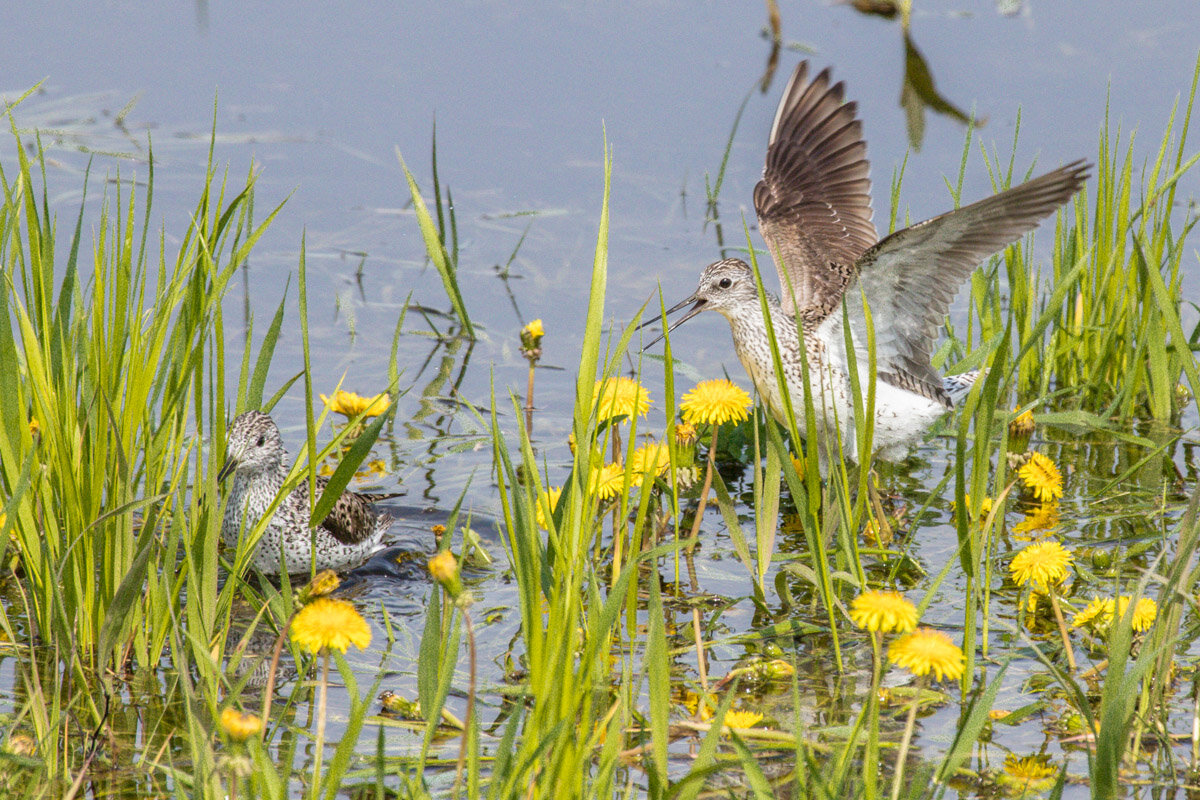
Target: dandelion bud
{"type": "Point", "coordinates": [324, 582]}
{"type": "Point", "coordinates": [444, 569]}
{"type": "Point", "coordinates": [238, 726]}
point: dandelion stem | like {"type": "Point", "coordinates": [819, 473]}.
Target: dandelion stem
{"type": "Point", "coordinates": [701, 661]}
{"type": "Point", "coordinates": [909, 725]}
{"type": "Point", "coordinates": [871, 751]}
{"type": "Point", "coordinates": [269, 691]}
{"type": "Point", "coordinates": [1062, 629]}
{"type": "Point", "coordinates": [319, 752]}
{"type": "Point", "coordinates": [529, 402]}
{"type": "Point", "coordinates": [462, 749]}
{"type": "Point", "coordinates": [704, 490]}
{"type": "Point", "coordinates": [701, 665]}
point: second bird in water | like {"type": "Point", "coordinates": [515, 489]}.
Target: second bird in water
{"type": "Point", "coordinates": [814, 211]}
{"type": "Point", "coordinates": [254, 455]}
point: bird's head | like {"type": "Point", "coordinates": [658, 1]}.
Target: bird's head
{"type": "Point", "coordinates": [253, 445]}
{"type": "Point", "coordinates": [725, 286]}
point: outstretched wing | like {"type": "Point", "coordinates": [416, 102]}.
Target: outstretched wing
{"type": "Point", "coordinates": [814, 199]}
{"type": "Point", "coordinates": [911, 276]}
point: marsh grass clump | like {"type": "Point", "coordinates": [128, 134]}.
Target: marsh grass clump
{"type": "Point", "coordinates": [109, 450]}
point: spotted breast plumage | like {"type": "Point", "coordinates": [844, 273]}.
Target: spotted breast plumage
{"type": "Point", "coordinates": [255, 456]}
{"type": "Point", "coordinates": [814, 211]}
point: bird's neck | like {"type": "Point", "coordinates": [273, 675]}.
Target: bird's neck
{"type": "Point", "coordinates": [274, 473]}
{"type": "Point", "coordinates": [748, 317]}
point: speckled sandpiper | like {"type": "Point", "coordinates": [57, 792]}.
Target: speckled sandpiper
{"type": "Point", "coordinates": [255, 454]}
{"type": "Point", "coordinates": [814, 212]}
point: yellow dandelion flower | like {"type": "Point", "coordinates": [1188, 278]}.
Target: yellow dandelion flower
{"type": "Point", "coordinates": [330, 623]}
{"type": "Point", "coordinates": [34, 427]}
{"type": "Point", "coordinates": [1043, 564]}
{"type": "Point", "coordinates": [531, 334]}
{"type": "Point", "coordinates": [742, 719]}
{"type": "Point", "coordinates": [883, 612]}
{"type": "Point", "coordinates": [926, 651]}
{"type": "Point", "coordinates": [685, 434]}
{"type": "Point", "coordinates": [607, 481]}
{"type": "Point", "coordinates": [619, 397]}
{"type": "Point", "coordinates": [798, 464]}
{"type": "Point", "coordinates": [1041, 477]}
{"type": "Point", "coordinates": [349, 404]}
{"type": "Point", "coordinates": [1032, 773]}
{"type": "Point", "coordinates": [1097, 613]}
{"type": "Point", "coordinates": [1144, 614]}
{"type": "Point", "coordinates": [985, 507]}
{"type": "Point", "coordinates": [239, 726]}
{"type": "Point", "coordinates": [1021, 426]}
{"type": "Point", "coordinates": [715, 402]}
{"type": "Point", "coordinates": [704, 705]}
{"type": "Point", "coordinates": [547, 502]}
{"type": "Point", "coordinates": [443, 566]}
{"type": "Point", "coordinates": [653, 457]}
{"type": "Point", "coordinates": [1145, 611]}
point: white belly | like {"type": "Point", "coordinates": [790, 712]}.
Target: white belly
{"type": "Point", "coordinates": [901, 416]}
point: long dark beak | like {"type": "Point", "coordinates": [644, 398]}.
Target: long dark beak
{"type": "Point", "coordinates": [226, 470]}
{"type": "Point", "coordinates": [700, 304]}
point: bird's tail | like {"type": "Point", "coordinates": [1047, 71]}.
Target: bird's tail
{"type": "Point", "coordinates": [957, 386]}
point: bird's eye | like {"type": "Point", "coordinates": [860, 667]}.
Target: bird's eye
{"type": "Point", "coordinates": [262, 440]}
{"type": "Point", "coordinates": [725, 283]}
